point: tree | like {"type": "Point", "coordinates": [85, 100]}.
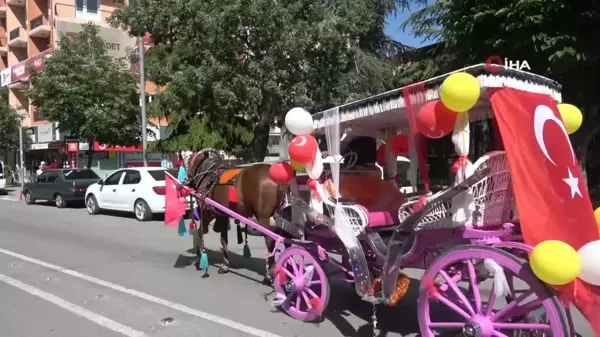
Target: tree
{"type": "Point", "coordinates": [10, 123]}
{"type": "Point", "coordinates": [557, 38]}
{"type": "Point", "coordinates": [231, 69]}
{"type": "Point", "coordinates": [89, 94]}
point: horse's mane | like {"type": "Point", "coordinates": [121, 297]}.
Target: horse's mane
{"type": "Point", "coordinates": [204, 169]}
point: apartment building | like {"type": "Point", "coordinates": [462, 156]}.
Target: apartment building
{"type": "Point", "coordinates": [29, 32]}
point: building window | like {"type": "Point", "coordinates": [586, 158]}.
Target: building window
{"type": "Point", "coordinates": [87, 8]}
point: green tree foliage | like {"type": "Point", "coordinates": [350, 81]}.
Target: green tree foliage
{"type": "Point", "coordinates": [231, 69]}
{"type": "Point", "coordinates": [10, 122]}
{"type": "Point", "coordinates": [90, 94]}
{"type": "Point", "coordinates": [557, 38]}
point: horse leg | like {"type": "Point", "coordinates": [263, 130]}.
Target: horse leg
{"type": "Point", "coordinates": [221, 226]}
{"type": "Point", "coordinates": [206, 217]}
{"type": "Point", "coordinates": [264, 221]}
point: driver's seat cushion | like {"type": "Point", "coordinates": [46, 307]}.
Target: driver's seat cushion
{"type": "Point", "coordinates": [380, 198]}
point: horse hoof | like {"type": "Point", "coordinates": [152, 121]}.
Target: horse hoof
{"type": "Point", "coordinates": [267, 280]}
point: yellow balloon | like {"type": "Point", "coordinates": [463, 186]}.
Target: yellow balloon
{"type": "Point", "coordinates": [571, 116]}
{"type": "Point", "coordinates": [297, 166]}
{"type": "Point", "coordinates": [555, 262]}
{"type": "Point", "coordinates": [597, 216]}
{"type": "Point", "coordinates": [460, 92]}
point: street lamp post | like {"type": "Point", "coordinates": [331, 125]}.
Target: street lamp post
{"type": "Point", "coordinates": [142, 51]}
{"type": "Point", "coordinates": [135, 4]}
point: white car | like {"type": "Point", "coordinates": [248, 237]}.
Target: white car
{"type": "Point", "coordinates": [140, 190]}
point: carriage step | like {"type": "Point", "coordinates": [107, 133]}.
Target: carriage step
{"type": "Point", "coordinates": [373, 299]}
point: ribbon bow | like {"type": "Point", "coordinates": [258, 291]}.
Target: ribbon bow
{"type": "Point", "coordinates": [312, 185]}
{"type": "Point", "coordinates": [460, 163]}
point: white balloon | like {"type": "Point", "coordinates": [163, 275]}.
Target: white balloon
{"type": "Point", "coordinates": [299, 122]}
{"type": "Point", "coordinates": [590, 262]}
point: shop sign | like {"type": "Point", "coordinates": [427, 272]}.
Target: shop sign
{"type": "Point", "coordinates": [44, 133]}
{"type": "Point", "coordinates": [5, 77]}
{"type": "Point", "coordinates": [73, 147]}
{"type": "Point", "coordinates": [22, 70]}
{"type": "Point", "coordinates": [99, 147]}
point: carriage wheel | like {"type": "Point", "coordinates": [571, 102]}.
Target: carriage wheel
{"type": "Point", "coordinates": [444, 283]}
{"type": "Point", "coordinates": [306, 298]}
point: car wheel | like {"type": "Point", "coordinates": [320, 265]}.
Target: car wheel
{"type": "Point", "coordinates": [142, 210]}
{"type": "Point", "coordinates": [92, 205]}
{"type": "Point", "coordinates": [28, 199]}
{"type": "Point", "coordinates": [59, 201]}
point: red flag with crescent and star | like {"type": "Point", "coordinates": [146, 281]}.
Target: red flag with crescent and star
{"type": "Point", "coordinates": [551, 195]}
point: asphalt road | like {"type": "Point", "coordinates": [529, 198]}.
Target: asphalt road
{"type": "Point", "coordinates": [66, 273]}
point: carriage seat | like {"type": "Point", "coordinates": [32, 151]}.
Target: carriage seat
{"type": "Point", "coordinates": [379, 199]}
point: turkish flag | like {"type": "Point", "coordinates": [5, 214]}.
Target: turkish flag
{"type": "Point", "coordinates": [175, 204]}
{"type": "Point", "coordinates": [551, 196]}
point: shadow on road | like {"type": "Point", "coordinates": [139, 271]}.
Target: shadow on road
{"type": "Point", "coordinates": [236, 262]}
{"type": "Point", "coordinates": [6, 191]}
{"type": "Point", "coordinates": [343, 302]}
{"type": "Point", "coordinates": [71, 205]}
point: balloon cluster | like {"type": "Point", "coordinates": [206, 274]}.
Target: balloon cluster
{"type": "Point", "coordinates": [557, 263]}
{"type": "Point", "coordinates": [458, 93]}
{"type": "Point", "coordinates": [302, 148]}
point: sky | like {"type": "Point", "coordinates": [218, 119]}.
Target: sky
{"type": "Point", "coordinates": [392, 29]}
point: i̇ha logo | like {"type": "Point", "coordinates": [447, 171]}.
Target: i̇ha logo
{"type": "Point", "coordinates": [495, 63]}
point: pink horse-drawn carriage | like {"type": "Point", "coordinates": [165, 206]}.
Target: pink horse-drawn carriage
{"type": "Point", "coordinates": [473, 235]}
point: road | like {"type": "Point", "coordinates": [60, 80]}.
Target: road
{"type": "Point", "coordinates": [66, 273]}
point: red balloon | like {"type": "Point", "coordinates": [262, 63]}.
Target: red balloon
{"type": "Point", "coordinates": [435, 120]}
{"type": "Point", "coordinates": [399, 147]}
{"type": "Point", "coordinates": [302, 149]}
{"type": "Point", "coordinates": [281, 172]}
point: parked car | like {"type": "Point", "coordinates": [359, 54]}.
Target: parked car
{"type": "Point", "coordinates": [2, 178]}
{"type": "Point", "coordinates": [140, 190]}
{"type": "Point", "coordinates": [61, 186]}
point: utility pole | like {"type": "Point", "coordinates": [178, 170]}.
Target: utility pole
{"type": "Point", "coordinates": [142, 51]}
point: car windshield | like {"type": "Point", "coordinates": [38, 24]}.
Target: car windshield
{"type": "Point", "coordinates": [159, 175]}
{"type": "Point", "coordinates": [80, 174]}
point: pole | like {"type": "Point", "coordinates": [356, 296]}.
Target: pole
{"type": "Point", "coordinates": [21, 160]}
{"type": "Point", "coordinates": [143, 99]}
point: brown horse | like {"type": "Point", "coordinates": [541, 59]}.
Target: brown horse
{"type": "Point", "coordinates": [255, 195]}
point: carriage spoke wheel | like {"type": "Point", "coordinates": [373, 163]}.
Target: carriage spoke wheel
{"type": "Point", "coordinates": [301, 278]}
{"type": "Point", "coordinates": [453, 299]}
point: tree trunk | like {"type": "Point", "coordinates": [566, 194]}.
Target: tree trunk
{"type": "Point", "coordinates": [260, 141]}
{"type": "Point", "coordinates": [90, 157]}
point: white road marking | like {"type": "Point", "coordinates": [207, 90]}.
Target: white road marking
{"type": "Point", "coordinates": [77, 310]}
{"type": "Point", "coordinates": [150, 298]}
{"type": "Point", "coordinates": [9, 198]}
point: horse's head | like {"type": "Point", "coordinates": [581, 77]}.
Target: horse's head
{"type": "Point", "coordinates": [202, 160]}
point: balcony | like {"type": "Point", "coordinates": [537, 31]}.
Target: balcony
{"type": "Point", "coordinates": [20, 3]}
{"type": "Point", "coordinates": [3, 46]}
{"type": "Point", "coordinates": [17, 38]}
{"type": "Point", "coordinates": [39, 27]}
